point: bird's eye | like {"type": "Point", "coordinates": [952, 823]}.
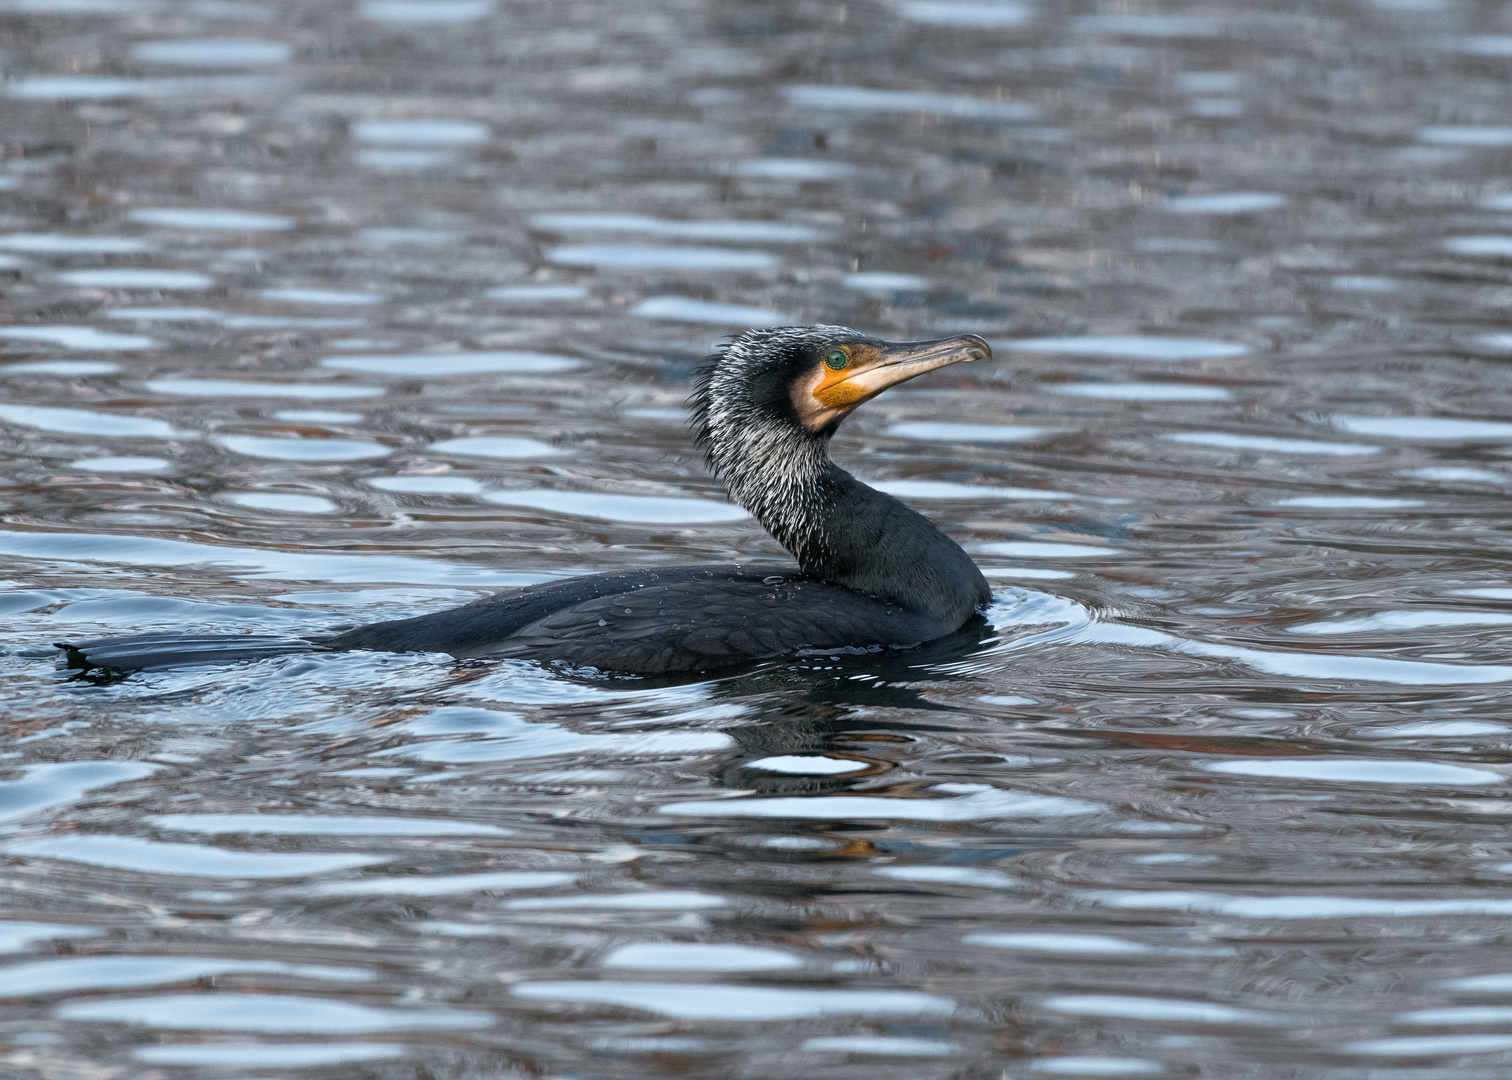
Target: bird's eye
{"type": "Point", "coordinates": [837, 359]}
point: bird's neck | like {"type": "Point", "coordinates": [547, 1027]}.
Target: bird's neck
{"type": "Point", "coordinates": [849, 534]}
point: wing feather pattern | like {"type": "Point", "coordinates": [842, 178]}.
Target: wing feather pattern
{"type": "Point", "coordinates": [666, 620]}
{"type": "Point", "coordinates": [705, 625]}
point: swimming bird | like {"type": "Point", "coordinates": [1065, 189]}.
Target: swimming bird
{"type": "Point", "coordinates": [868, 574]}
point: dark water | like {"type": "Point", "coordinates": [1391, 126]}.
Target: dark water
{"type": "Point", "coordinates": [316, 315]}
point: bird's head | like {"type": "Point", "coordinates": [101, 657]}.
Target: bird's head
{"type": "Point", "coordinates": [807, 379]}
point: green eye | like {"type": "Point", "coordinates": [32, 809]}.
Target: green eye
{"type": "Point", "coordinates": [837, 359]}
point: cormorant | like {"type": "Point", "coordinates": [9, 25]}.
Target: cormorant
{"type": "Point", "coordinates": [870, 573]}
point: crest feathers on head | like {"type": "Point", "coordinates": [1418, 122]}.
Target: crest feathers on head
{"type": "Point", "coordinates": [725, 381]}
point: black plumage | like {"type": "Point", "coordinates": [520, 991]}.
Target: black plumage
{"type": "Point", "coordinates": [871, 573]}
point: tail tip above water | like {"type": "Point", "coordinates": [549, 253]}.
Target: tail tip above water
{"type": "Point", "coordinates": [147, 651]}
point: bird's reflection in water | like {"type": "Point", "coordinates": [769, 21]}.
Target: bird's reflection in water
{"type": "Point", "coordinates": [805, 706]}
{"type": "Point", "coordinates": [863, 710]}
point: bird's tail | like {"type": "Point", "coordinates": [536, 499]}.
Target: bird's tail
{"type": "Point", "coordinates": [162, 650]}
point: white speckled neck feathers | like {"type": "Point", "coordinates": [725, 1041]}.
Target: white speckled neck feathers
{"type": "Point", "coordinates": [837, 528]}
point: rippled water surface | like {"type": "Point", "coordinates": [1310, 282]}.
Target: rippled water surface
{"type": "Point", "coordinates": [317, 314]}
